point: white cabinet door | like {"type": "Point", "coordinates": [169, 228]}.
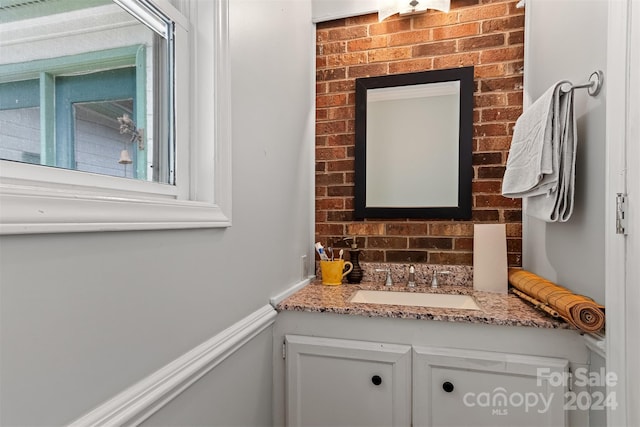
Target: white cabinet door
{"type": "Point", "coordinates": [332, 382]}
{"type": "Point", "coordinates": [453, 387]}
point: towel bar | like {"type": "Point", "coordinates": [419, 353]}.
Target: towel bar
{"type": "Point", "coordinates": [594, 84]}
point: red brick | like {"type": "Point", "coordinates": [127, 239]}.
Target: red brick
{"type": "Point", "coordinates": [502, 54]}
{"type": "Point", "coordinates": [481, 42]}
{"type": "Point", "coordinates": [340, 216]}
{"type": "Point", "coordinates": [366, 43]}
{"type": "Point", "coordinates": [494, 143]}
{"type": "Point", "coordinates": [448, 229]}
{"type": "Point", "coordinates": [332, 100]}
{"type": "Point", "coordinates": [514, 230]}
{"type": "Point", "coordinates": [430, 243]}
{"type": "Point", "coordinates": [463, 244]}
{"type": "Point", "coordinates": [341, 113]}
{"type": "Point", "coordinates": [329, 178]}
{"type": "Point", "coordinates": [434, 18]}
{"type": "Point", "coordinates": [495, 201]}
{"type": "Point", "coordinates": [340, 165]}
{"type": "Point", "coordinates": [365, 229]}
{"type": "Point", "coordinates": [329, 204]}
{"type": "Point", "coordinates": [500, 114]}
{"type": "Point", "coordinates": [389, 26]}
{"type": "Point", "coordinates": [387, 242]}
{"type": "Point", "coordinates": [331, 48]}
{"type": "Point", "coordinates": [503, 24]}
{"type": "Point", "coordinates": [367, 70]}
{"type": "Point", "coordinates": [491, 70]}
{"type": "Point", "coordinates": [407, 229]}
{"type": "Point", "coordinates": [341, 139]}
{"type": "Point", "coordinates": [332, 74]}
{"type": "Point", "coordinates": [410, 37]}
{"type": "Point", "coordinates": [363, 19]}
{"type": "Point", "coordinates": [347, 33]}
{"type": "Point", "coordinates": [491, 172]}
{"type": "Point", "coordinates": [330, 153]}
{"type": "Point", "coordinates": [327, 128]}
{"type": "Point", "coordinates": [347, 59]}
{"type": "Point", "coordinates": [340, 191]}
{"type": "Point", "coordinates": [503, 83]}
{"type": "Point", "coordinates": [341, 86]}
{"type": "Point", "coordinates": [485, 33]}
{"type": "Point", "coordinates": [329, 229]}
{"type": "Point", "coordinates": [451, 258]}
{"type": "Point", "coordinates": [491, 187]}
{"type": "Point", "coordinates": [459, 60]}
{"type": "Point", "coordinates": [481, 13]}
{"type": "Point", "coordinates": [389, 54]}
{"type": "Point", "coordinates": [492, 158]}
{"type": "Point", "coordinates": [480, 215]}
{"type": "Point", "coordinates": [421, 64]}
{"type": "Point", "coordinates": [406, 256]}
{"type": "Point", "coordinates": [490, 99]}
{"type": "Point", "coordinates": [434, 48]}
{"type": "Point", "coordinates": [456, 31]}
{"type": "Point", "coordinates": [515, 37]}
{"type": "Point", "coordinates": [491, 129]}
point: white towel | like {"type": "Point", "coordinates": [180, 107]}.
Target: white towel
{"type": "Point", "coordinates": [541, 164]}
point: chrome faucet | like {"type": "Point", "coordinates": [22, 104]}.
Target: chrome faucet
{"type": "Point", "coordinates": [388, 281]}
{"type": "Point", "coordinates": [412, 277]}
{"type": "Point", "coordinates": [434, 280]}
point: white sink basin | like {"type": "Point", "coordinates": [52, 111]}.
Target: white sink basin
{"type": "Point", "coordinates": [461, 302]}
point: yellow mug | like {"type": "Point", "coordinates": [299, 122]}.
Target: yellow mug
{"type": "Point", "coordinates": [333, 271]}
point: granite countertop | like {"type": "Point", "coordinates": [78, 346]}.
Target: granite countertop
{"type": "Point", "coordinates": [495, 309]}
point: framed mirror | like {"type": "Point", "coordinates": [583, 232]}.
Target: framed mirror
{"type": "Point", "coordinates": [413, 153]}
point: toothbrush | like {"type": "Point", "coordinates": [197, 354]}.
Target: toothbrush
{"type": "Point", "coordinates": [340, 253]}
{"type": "Point", "coordinates": [320, 251]}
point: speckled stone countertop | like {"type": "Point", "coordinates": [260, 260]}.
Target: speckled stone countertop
{"type": "Point", "coordinates": [495, 309]}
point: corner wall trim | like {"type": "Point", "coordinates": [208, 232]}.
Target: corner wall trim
{"type": "Point", "coordinates": [144, 398]}
{"type": "Point", "coordinates": [277, 299]}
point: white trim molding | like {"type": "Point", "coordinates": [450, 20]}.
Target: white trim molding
{"type": "Point", "coordinates": [277, 299]}
{"type": "Point", "coordinates": [143, 399]}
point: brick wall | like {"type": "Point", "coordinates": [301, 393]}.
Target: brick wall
{"type": "Point", "coordinates": [487, 34]}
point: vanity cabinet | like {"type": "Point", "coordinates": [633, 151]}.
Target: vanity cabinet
{"type": "Point", "coordinates": [333, 382]}
{"type": "Point", "coordinates": [453, 387]}
{"type": "Point", "coordinates": [338, 382]}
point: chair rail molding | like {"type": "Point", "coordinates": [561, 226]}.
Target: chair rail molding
{"type": "Point", "coordinates": [143, 399]}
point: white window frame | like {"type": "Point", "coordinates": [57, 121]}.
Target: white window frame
{"type": "Point", "coordinates": [37, 199]}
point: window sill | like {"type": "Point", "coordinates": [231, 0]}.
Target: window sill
{"type": "Point", "coordinates": [28, 210]}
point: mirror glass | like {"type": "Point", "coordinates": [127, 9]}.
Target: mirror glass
{"type": "Point", "coordinates": [84, 85]}
{"type": "Point", "coordinates": [413, 145]}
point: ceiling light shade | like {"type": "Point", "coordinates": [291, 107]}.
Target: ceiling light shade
{"type": "Point", "coordinates": [386, 8]}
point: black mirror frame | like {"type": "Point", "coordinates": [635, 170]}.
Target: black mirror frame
{"type": "Point", "coordinates": [465, 168]}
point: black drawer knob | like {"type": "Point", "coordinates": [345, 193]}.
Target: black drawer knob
{"type": "Point", "coordinates": [447, 386]}
{"type": "Point", "coordinates": [376, 380]}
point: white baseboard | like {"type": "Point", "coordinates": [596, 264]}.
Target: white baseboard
{"type": "Point", "coordinates": [143, 399]}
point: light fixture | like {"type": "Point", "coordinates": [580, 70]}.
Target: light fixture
{"type": "Point", "coordinates": [386, 8]}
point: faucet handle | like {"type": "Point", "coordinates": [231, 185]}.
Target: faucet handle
{"type": "Point", "coordinates": [434, 280]}
{"type": "Point", "coordinates": [388, 281]}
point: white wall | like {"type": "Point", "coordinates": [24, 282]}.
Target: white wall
{"type": "Point", "coordinates": [326, 10]}
{"type": "Point", "coordinates": [83, 316]}
{"type": "Point", "coordinates": [567, 39]}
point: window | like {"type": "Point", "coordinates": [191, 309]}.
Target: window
{"type": "Point", "coordinates": [95, 125]}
